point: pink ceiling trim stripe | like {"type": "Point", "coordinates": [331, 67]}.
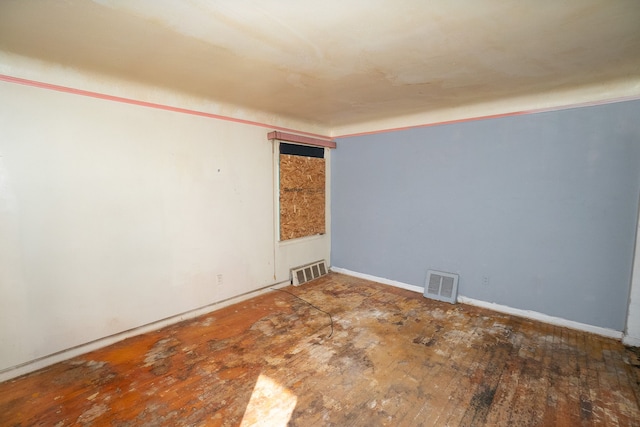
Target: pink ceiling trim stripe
{"type": "Point", "coordinates": [495, 116]}
{"type": "Point", "coordinates": [65, 89]}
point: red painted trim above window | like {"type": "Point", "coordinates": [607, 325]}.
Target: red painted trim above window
{"type": "Point", "coordinates": [300, 139]}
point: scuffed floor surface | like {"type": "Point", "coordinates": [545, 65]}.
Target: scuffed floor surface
{"type": "Point", "coordinates": [395, 358]}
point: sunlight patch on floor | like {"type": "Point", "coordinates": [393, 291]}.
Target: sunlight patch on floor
{"type": "Point", "coordinates": [270, 405]}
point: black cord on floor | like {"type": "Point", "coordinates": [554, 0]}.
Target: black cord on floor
{"type": "Point", "coordinates": [303, 300]}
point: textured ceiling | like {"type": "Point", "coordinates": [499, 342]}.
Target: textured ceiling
{"type": "Point", "coordinates": [336, 62]}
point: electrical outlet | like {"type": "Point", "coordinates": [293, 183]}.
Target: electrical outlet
{"type": "Point", "coordinates": [485, 280]}
{"type": "Point", "coordinates": [219, 276]}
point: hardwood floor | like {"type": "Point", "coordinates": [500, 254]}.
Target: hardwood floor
{"type": "Point", "coordinates": [394, 358]}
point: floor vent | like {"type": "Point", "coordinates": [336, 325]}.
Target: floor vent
{"type": "Point", "coordinates": [308, 272]}
{"type": "Point", "coordinates": [441, 286]}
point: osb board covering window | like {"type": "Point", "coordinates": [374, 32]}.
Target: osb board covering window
{"type": "Point", "coordinates": [302, 196]}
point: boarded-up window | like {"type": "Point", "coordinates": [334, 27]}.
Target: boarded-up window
{"type": "Point", "coordinates": [302, 191]}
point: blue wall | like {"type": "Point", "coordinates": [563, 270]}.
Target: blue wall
{"type": "Point", "coordinates": [544, 205]}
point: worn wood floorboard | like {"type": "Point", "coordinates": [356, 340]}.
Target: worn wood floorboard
{"type": "Point", "coordinates": [394, 359]}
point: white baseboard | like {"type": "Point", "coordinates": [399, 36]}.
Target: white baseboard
{"type": "Point", "coordinates": [534, 315]}
{"type": "Point", "coordinates": [384, 281]}
{"type": "Point", "coordinates": [43, 362]}
{"type": "Point", "coordinates": [631, 341]}
{"type": "Point", "coordinates": [541, 317]}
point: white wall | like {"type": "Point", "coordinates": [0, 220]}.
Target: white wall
{"type": "Point", "coordinates": [113, 216]}
{"type": "Point", "coordinates": [632, 332]}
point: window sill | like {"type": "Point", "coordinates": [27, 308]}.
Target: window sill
{"type": "Point", "coordinates": [300, 240]}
